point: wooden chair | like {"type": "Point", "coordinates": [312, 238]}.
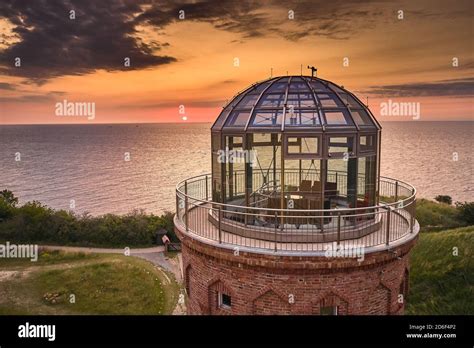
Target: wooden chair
{"type": "Point", "coordinates": [317, 187]}
{"type": "Point", "coordinates": [305, 186]}
{"type": "Point", "coordinates": [330, 190]}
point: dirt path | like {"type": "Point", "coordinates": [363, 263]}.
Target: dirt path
{"type": "Point", "coordinates": [133, 251]}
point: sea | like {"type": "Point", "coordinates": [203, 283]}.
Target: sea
{"type": "Point", "coordinates": [117, 168]}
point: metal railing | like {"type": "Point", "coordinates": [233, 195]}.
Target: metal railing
{"type": "Point", "coordinates": [296, 229]}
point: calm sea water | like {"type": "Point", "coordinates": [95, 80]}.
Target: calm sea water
{"type": "Point", "coordinates": [87, 163]}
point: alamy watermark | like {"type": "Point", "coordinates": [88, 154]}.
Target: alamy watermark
{"type": "Point", "coordinates": [67, 108]}
{"type": "Point", "coordinates": [21, 251]}
{"type": "Point", "coordinates": [28, 330]}
{"type": "Point", "coordinates": [356, 251]}
{"type": "Point", "coordinates": [394, 108]}
{"type": "Point", "coordinates": [237, 156]}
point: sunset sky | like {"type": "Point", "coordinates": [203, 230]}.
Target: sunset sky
{"type": "Point", "coordinates": [190, 61]}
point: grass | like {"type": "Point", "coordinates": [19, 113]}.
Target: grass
{"type": "Point", "coordinates": [101, 284]}
{"type": "Point", "coordinates": [434, 216]}
{"type": "Point", "coordinates": [440, 282]}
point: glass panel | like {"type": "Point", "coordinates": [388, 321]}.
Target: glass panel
{"type": "Point", "coordinates": [222, 117]}
{"type": "Point", "coordinates": [272, 100]}
{"type": "Point", "coordinates": [298, 87]}
{"type": "Point", "coordinates": [366, 181]}
{"type": "Point", "coordinates": [341, 145]}
{"type": "Point", "coordinates": [238, 118]}
{"type": "Point", "coordinates": [216, 178]}
{"type": "Point", "coordinates": [301, 100]}
{"type": "Point", "coordinates": [303, 183]}
{"type": "Point", "coordinates": [367, 143]}
{"type": "Point", "coordinates": [235, 158]}
{"type": "Point", "coordinates": [361, 118]}
{"type": "Point", "coordinates": [248, 101]}
{"type": "Point", "coordinates": [329, 100]}
{"type": "Point", "coordinates": [336, 88]}
{"type": "Point", "coordinates": [349, 100]}
{"type": "Point", "coordinates": [267, 118]}
{"type": "Point", "coordinates": [278, 87]}
{"type": "Point", "coordinates": [303, 145]}
{"type": "Point", "coordinates": [263, 175]}
{"type": "Point", "coordinates": [319, 87]}
{"type": "Point", "coordinates": [260, 87]}
{"type": "Point", "coordinates": [336, 118]}
{"type": "Point", "coordinates": [301, 118]}
{"type": "Point", "coordinates": [341, 184]}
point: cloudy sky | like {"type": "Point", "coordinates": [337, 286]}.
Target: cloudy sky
{"type": "Point", "coordinates": [425, 57]}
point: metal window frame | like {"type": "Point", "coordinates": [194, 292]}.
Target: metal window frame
{"type": "Point", "coordinates": [335, 155]}
{"type": "Point", "coordinates": [315, 155]}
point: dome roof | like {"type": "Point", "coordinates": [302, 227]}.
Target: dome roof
{"type": "Point", "coordinates": [293, 103]}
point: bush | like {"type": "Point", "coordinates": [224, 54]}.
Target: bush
{"type": "Point", "coordinates": [432, 215]}
{"type": "Point", "coordinates": [37, 223]}
{"type": "Point", "coordinates": [444, 199]}
{"type": "Point", "coordinates": [6, 210]}
{"type": "Point", "coordinates": [8, 202]}
{"type": "Point", "coordinates": [466, 212]}
{"type": "Point", "coordinates": [9, 198]}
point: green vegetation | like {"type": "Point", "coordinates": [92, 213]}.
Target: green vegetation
{"type": "Point", "coordinates": [466, 212]}
{"type": "Point", "coordinates": [101, 284]}
{"type": "Point", "coordinates": [434, 216]}
{"type": "Point", "coordinates": [441, 280]}
{"type": "Point", "coordinates": [444, 199]}
{"type": "Point", "coordinates": [442, 268]}
{"type": "Point", "coordinates": [36, 223]}
{"type": "Point", "coordinates": [442, 273]}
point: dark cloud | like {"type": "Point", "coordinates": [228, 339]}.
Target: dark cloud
{"type": "Point", "coordinates": [51, 44]}
{"type": "Point", "coordinates": [7, 86]}
{"type": "Point", "coordinates": [105, 32]}
{"type": "Point", "coordinates": [450, 88]}
{"type": "Point", "coordinates": [33, 98]}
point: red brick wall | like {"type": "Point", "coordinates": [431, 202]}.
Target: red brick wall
{"type": "Point", "coordinates": [270, 284]}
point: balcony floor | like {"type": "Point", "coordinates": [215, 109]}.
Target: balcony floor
{"type": "Point", "coordinates": [200, 227]}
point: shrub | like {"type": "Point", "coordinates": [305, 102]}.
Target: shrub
{"type": "Point", "coordinates": [8, 202]}
{"type": "Point", "coordinates": [436, 215]}
{"type": "Point", "coordinates": [466, 212]}
{"type": "Point", "coordinates": [444, 199]}
{"type": "Point", "coordinates": [34, 222]}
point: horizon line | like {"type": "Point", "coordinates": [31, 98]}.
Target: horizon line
{"type": "Point", "coordinates": [197, 122]}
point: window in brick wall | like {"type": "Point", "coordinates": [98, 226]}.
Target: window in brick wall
{"type": "Point", "coordinates": [224, 300]}
{"type": "Point", "coordinates": [330, 310]}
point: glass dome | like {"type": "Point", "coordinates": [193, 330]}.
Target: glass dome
{"type": "Point", "coordinates": [296, 142]}
{"type": "Point", "coordinates": [295, 102]}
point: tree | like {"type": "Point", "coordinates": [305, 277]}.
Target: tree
{"type": "Point", "coordinates": [9, 198]}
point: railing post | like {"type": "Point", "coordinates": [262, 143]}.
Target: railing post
{"type": "Point", "coordinates": [387, 232]}
{"type": "Point", "coordinates": [186, 205]}
{"type": "Point", "coordinates": [177, 204]}
{"type": "Point", "coordinates": [338, 228]}
{"type": "Point", "coordinates": [219, 224]}
{"type": "Point", "coordinates": [207, 189]}
{"type": "Point", "coordinates": [322, 225]}
{"type": "Point", "coordinates": [396, 191]}
{"type": "Point", "coordinates": [276, 230]}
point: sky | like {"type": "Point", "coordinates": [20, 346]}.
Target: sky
{"type": "Point", "coordinates": [188, 58]}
